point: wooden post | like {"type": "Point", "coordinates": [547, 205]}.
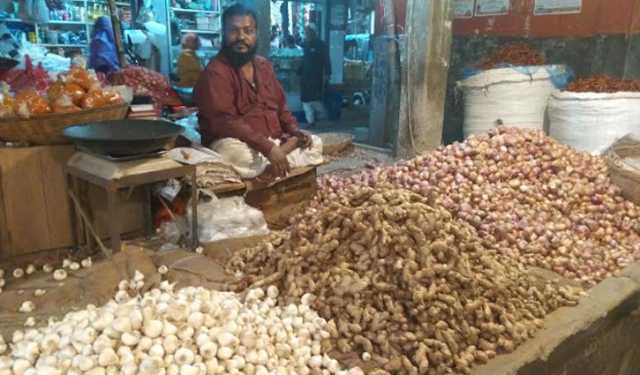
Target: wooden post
{"type": "Point", "coordinates": [424, 81]}
{"type": "Point", "coordinates": [385, 98]}
{"type": "Point", "coordinates": [263, 9]}
{"type": "Point", "coordinates": [117, 33]}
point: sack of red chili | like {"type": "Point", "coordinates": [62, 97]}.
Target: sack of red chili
{"type": "Point", "coordinates": [513, 54]}
{"type": "Point", "coordinates": [604, 84]}
{"type": "Point", "coordinates": [144, 81]}
{"type": "Point", "coordinates": [592, 113]}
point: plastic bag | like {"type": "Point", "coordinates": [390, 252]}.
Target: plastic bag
{"type": "Point", "coordinates": [29, 103]}
{"type": "Point", "coordinates": [82, 77]}
{"type": "Point", "coordinates": [64, 104]}
{"type": "Point", "coordinates": [191, 128]}
{"type": "Point", "coordinates": [174, 231]}
{"type": "Point", "coordinates": [7, 102]}
{"type": "Point", "coordinates": [75, 92]}
{"type": "Point", "coordinates": [226, 218]}
{"type": "Point", "coordinates": [92, 100]}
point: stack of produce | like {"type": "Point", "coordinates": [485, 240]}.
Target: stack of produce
{"type": "Point", "coordinates": [145, 81]}
{"type": "Point", "coordinates": [539, 202]}
{"type": "Point", "coordinates": [512, 86]}
{"type": "Point", "coordinates": [514, 54]}
{"type": "Point", "coordinates": [190, 332]}
{"type": "Point", "coordinates": [74, 91]}
{"type": "Point", "coordinates": [604, 83]}
{"type": "Point", "coordinates": [595, 112]}
{"type": "Point", "coordinates": [403, 282]}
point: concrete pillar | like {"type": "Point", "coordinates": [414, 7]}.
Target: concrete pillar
{"type": "Point", "coordinates": [337, 19]}
{"type": "Point", "coordinates": [263, 10]}
{"type": "Point", "coordinates": [428, 49]}
{"type": "Point", "coordinates": [385, 88]}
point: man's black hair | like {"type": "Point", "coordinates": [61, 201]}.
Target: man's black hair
{"type": "Point", "coordinates": [238, 10]}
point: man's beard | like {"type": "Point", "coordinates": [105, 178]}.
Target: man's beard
{"type": "Point", "coordinates": [238, 59]}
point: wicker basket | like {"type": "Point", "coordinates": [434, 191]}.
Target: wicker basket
{"type": "Point", "coordinates": [47, 129]}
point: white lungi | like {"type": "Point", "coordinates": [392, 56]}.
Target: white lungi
{"type": "Point", "coordinates": [249, 163]}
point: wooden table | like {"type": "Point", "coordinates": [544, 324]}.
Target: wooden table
{"type": "Point", "coordinates": [114, 177]}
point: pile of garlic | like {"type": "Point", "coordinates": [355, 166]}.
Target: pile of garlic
{"type": "Point", "coordinates": [194, 331]}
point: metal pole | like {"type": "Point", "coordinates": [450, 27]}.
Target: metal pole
{"type": "Point", "coordinates": [117, 33]}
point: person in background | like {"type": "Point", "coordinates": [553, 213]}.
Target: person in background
{"type": "Point", "coordinates": [103, 56]}
{"type": "Point", "coordinates": [189, 67]}
{"type": "Point", "coordinates": [275, 37]}
{"type": "Point", "coordinates": [243, 112]}
{"type": "Point", "coordinates": [77, 59]}
{"type": "Point", "coordinates": [314, 73]}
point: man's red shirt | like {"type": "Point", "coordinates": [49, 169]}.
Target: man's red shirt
{"type": "Point", "coordinates": [230, 107]}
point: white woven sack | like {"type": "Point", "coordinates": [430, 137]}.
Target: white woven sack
{"type": "Point", "coordinates": [592, 122]}
{"type": "Point", "coordinates": [508, 96]}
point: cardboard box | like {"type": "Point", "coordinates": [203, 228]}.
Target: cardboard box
{"type": "Point", "coordinates": [34, 208]}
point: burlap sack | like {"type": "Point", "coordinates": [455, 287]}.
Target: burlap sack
{"type": "Point", "coordinates": [623, 159]}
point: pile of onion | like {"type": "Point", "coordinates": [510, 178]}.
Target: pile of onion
{"type": "Point", "coordinates": [540, 202]}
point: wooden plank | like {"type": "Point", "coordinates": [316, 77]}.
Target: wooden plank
{"type": "Point", "coordinates": [53, 180]}
{"type": "Point", "coordinates": [4, 230]}
{"type": "Point", "coordinates": [129, 212]}
{"type": "Point", "coordinates": [280, 202]}
{"type": "Point", "coordinates": [256, 184]}
{"type": "Point", "coordinates": [24, 201]}
{"type": "Point", "coordinates": [34, 209]}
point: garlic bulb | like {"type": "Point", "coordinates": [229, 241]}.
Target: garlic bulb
{"type": "Point", "coordinates": [123, 285]}
{"type": "Point", "coordinates": [153, 328]}
{"type": "Point", "coordinates": [18, 273]}
{"type": "Point", "coordinates": [138, 276]}
{"type": "Point", "coordinates": [163, 269]}
{"type": "Point", "coordinates": [74, 266]}
{"type": "Point", "coordinates": [108, 357]}
{"type": "Point", "coordinates": [59, 274]}
{"type": "Point", "coordinates": [30, 322]}
{"type": "Point", "coordinates": [39, 292]}
{"type": "Point", "coordinates": [66, 263]}
{"type": "Point", "coordinates": [184, 356]}
{"type": "Point", "coordinates": [86, 263]}
{"type": "Point", "coordinates": [47, 268]}
{"type": "Point", "coordinates": [199, 250]}
{"type": "Point", "coordinates": [30, 269]}
{"type": "Point", "coordinates": [191, 331]}
{"type": "Point", "coordinates": [26, 307]}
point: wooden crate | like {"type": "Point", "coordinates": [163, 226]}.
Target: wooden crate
{"type": "Point", "coordinates": [34, 208]}
{"type": "Point", "coordinates": [281, 201]}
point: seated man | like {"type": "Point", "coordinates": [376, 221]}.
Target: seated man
{"type": "Point", "coordinates": [243, 113]}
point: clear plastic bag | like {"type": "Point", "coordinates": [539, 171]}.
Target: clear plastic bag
{"type": "Point", "coordinates": [221, 219]}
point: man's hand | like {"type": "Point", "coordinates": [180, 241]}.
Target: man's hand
{"type": "Point", "coordinates": [278, 159]}
{"type": "Point", "coordinates": [305, 140]}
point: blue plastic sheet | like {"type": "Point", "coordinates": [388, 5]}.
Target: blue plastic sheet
{"type": "Point", "coordinates": [190, 125]}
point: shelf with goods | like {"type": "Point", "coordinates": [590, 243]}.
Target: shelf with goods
{"type": "Point", "coordinates": [205, 22]}
{"type": "Point", "coordinates": [70, 27]}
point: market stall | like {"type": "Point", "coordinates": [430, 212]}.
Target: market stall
{"type": "Point", "coordinates": [515, 250]}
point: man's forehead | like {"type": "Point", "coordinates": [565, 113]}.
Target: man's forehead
{"type": "Point", "coordinates": [241, 21]}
